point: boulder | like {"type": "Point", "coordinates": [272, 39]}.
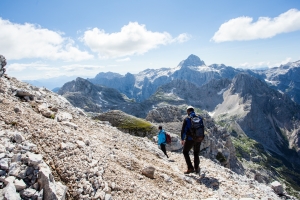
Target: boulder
{"type": "Point", "coordinates": [10, 192]}
{"type": "Point", "coordinates": [63, 116]}
{"type": "Point", "coordinates": [61, 190]}
{"type": "Point", "coordinates": [148, 172]}
{"type": "Point", "coordinates": [47, 183]}
{"type": "Point", "coordinates": [18, 137]}
{"type": "Point", "coordinates": [19, 184]}
{"type": "Point", "coordinates": [277, 187]}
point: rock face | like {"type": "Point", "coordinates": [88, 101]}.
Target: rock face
{"type": "Point", "coordinates": [96, 98]}
{"type": "Point", "coordinates": [91, 97]}
{"type": "Point", "coordinates": [106, 163]}
{"type": "Point", "coordinates": [285, 78]}
{"type": "Point", "coordinates": [266, 115]}
{"type": "Point", "coordinates": [165, 114]}
{"type": "Point", "coordinates": [181, 92]}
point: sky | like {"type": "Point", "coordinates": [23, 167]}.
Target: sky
{"type": "Point", "coordinates": [43, 39]}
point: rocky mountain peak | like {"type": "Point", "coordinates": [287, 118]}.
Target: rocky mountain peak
{"type": "Point", "coordinates": [108, 75]}
{"type": "Point", "coordinates": [79, 84]}
{"type": "Point", "coordinates": [192, 61]}
{"type": "Point", "coordinates": [244, 83]}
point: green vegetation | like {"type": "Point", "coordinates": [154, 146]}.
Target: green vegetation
{"type": "Point", "coordinates": [52, 116]}
{"type": "Point", "coordinates": [245, 147]}
{"type": "Point", "coordinates": [137, 126]}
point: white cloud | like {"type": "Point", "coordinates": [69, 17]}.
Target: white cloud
{"type": "Point", "coordinates": [264, 64]}
{"type": "Point", "coordinates": [243, 28]}
{"type": "Point", "coordinates": [38, 70]}
{"type": "Point", "coordinates": [79, 67]}
{"type": "Point", "coordinates": [28, 66]}
{"type": "Point", "coordinates": [123, 60]}
{"type": "Point", "coordinates": [132, 39]}
{"type": "Point", "coordinates": [18, 41]}
{"type": "Point", "coordinates": [182, 38]}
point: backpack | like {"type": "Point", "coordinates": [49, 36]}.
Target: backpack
{"type": "Point", "coordinates": [197, 128]}
{"type": "Point", "coordinates": [168, 138]}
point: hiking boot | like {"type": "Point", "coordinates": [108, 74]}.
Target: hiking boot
{"type": "Point", "coordinates": [189, 171]}
{"type": "Point", "coordinates": [197, 171]}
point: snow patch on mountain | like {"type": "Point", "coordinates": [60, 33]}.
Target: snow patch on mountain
{"type": "Point", "coordinates": [100, 95]}
{"type": "Point", "coordinates": [204, 68]}
{"type": "Point", "coordinates": [222, 91]}
{"type": "Point", "coordinates": [151, 74]}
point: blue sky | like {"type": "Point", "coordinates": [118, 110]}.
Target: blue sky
{"type": "Point", "coordinates": [49, 38]}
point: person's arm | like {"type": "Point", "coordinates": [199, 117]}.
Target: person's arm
{"type": "Point", "coordinates": [183, 131]}
{"type": "Point", "coordinates": [158, 140]}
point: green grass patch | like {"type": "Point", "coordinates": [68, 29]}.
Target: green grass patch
{"type": "Point", "coordinates": [137, 126]}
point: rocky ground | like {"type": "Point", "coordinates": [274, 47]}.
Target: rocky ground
{"type": "Point", "coordinates": [69, 156]}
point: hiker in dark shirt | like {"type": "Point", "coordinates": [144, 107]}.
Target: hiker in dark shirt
{"type": "Point", "coordinates": [162, 139]}
{"type": "Point", "coordinates": [188, 143]}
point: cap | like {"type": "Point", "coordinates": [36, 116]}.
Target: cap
{"type": "Point", "coordinates": [189, 107]}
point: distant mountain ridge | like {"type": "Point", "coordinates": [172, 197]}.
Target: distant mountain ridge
{"type": "Point", "coordinates": [285, 79]}
{"type": "Point", "coordinates": [142, 85]}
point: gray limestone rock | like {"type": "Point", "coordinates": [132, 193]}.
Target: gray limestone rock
{"type": "Point", "coordinates": [10, 192]}
{"type": "Point", "coordinates": [277, 187]}
{"type": "Point", "coordinates": [47, 183]}
{"type": "Point", "coordinates": [61, 190]}
{"type": "Point", "coordinates": [148, 172]}
{"type": "Point", "coordinates": [19, 184]}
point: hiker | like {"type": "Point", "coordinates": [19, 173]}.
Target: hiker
{"type": "Point", "coordinates": [188, 142]}
{"type": "Point", "coordinates": [162, 139]}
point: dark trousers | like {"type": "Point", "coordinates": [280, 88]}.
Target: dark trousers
{"type": "Point", "coordinates": [163, 148]}
{"type": "Point", "coordinates": [186, 149]}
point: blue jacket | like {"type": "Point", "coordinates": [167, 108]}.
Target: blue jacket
{"type": "Point", "coordinates": [186, 127]}
{"type": "Point", "coordinates": [161, 137]}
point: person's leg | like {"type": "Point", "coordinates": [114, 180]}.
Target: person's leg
{"type": "Point", "coordinates": [186, 149]}
{"type": "Point", "coordinates": [196, 149]}
{"type": "Point", "coordinates": [163, 148]}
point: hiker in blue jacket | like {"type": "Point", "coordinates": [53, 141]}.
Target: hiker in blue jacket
{"type": "Point", "coordinates": [162, 139]}
{"type": "Point", "coordinates": [188, 143]}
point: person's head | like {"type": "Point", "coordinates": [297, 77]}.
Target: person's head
{"type": "Point", "coordinates": [189, 109]}
{"type": "Point", "coordinates": [160, 127]}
